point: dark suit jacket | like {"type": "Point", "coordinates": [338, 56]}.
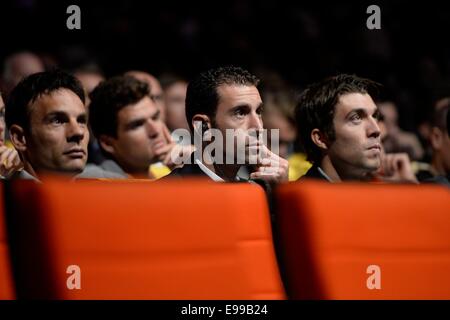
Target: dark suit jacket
{"type": "Point", "coordinates": [313, 173]}
{"type": "Point", "coordinates": [188, 170]}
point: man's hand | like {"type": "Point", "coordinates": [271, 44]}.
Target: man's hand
{"type": "Point", "coordinates": [9, 161]}
{"type": "Point", "coordinates": [396, 167]}
{"type": "Point", "coordinates": [172, 154]}
{"type": "Point", "coordinates": [271, 167]}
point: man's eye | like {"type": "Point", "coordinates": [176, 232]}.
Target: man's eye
{"type": "Point", "coordinates": [355, 118]}
{"type": "Point", "coordinates": [135, 125]}
{"type": "Point", "coordinates": [239, 113]}
{"type": "Point", "coordinates": [56, 121]}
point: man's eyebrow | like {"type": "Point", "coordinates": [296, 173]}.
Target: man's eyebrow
{"type": "Point", "coordinates": [135, 121]}
{"type": "Point", "coordinates": [363, 111]}
{"type": "Point", "coordinates": [56, 113]}
{"type": "Point", "coordinates": [245, 105]}
{"type": "Point", "coordinates": [156, 113]}
{"type": "Point", "coordinates": [83, 115]}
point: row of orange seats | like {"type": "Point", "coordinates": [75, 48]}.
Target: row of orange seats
{"type": "Point", "coordinates": [204, 240]}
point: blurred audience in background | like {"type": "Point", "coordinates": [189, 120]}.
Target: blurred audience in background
{"type": "Point", "coordinates": [16, 67]}
{"type": "Point", "coordinates": [397, 140]}
{"type": "Point", "coordinates": [175, 101]}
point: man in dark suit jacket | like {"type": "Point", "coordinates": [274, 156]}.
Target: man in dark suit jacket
{"type": "Point", "coordinates": [338, 127]}
{"type": "Point", "coordinates": [220, 100]}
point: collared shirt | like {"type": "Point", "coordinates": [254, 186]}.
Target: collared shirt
{"type": "Point", "coordinates": [324, 174]}
{"type": "Point", "coordinates": [208, 172]}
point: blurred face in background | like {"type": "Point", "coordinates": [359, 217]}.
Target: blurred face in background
{"type": "Point", "coordinates": [175, 98]}
{"type": "Point", "coordinates": [274, 119]}
{"type": "Point", "coordinates": [89, 80]}
{"type": "Point", "coordinates": [19, 66]}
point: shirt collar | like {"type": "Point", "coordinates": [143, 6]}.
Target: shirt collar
{"type": "Point", "coordinates": [208, 172]}
{"type": "Point", "coordinates": [324, 174]}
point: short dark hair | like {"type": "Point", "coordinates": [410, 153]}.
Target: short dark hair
{"type": "Point", "coordinates": [33, 87]}
{"type": "Point", "coordinates": [202, 96]}
{"type": "Point", "coordinates": [439, 118]}
{"type": "Point", "coordinates": [316, 108]}
{"type": "Point", "coordinates": [109, 97]}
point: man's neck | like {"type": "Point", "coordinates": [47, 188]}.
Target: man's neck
{"type": "Point", "coordinates": [38, 174]}
{"type": "Point", "coordinates": [437, 166]}
{"type": "Point", "coordinates": [339, 174]}
{"type": "Point", "coordinates": [29, 168]}
{"type": "Point", "coordinates": [227, 172]}
{"type": "Point", "coordinates": [329, 169]}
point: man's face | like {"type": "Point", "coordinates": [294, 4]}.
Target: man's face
{"type": "Point", "coordinates": [240, 107]}
{"type": "Point", "coordinates": [59, 135]}
{"type": "Point", "coordinates": [356, 148]}
{"type": "Point", "coordinates": [139, 135]}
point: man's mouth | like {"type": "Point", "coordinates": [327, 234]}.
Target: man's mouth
{"type": "Point", "coordinates": [75, 153]}
{"type": "Point", "coordinates": [158, 144]}
{"type": "Point", "coordinates": [375, 147]}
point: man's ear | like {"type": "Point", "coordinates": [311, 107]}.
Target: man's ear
{"type": "Point", "coordinates": [199, 120]}
{"type": "Point", "coordinates": [18, 139]}
{"type": "Point", "coordinates": [436, 137]}
{"type": "Point", "coordinates": [319, 139]}
{"type": "Point", "coordinates": [107, 143]}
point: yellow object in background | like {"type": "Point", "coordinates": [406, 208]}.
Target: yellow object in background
{"type": "Point", "coordinates": [158, 170]}
{"type": "Point", "coordinates": [298, 166]}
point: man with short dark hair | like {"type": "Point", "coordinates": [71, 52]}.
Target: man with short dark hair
{"type": "Point", "coordinates": [47, 122]}
{"type": "Point", "coordinates": [129, 128]}
{"type": "Point", "coordinates": [338, 127]}
{"type": "Point", "coordinates": [218, 101]}
{"type": "Point", "coordinates": [440, 143]}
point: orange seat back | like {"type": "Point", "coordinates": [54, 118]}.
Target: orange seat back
{"type": "Point", "coordinates": [6, 281]}
{"type": "Point", "coordinates": [335, 237]}
{"type": "Point", "coordinates": [171, 240]}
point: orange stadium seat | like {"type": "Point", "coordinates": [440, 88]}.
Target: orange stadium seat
{"type": "Point", "coordinates": [360, 241]}
{"type": "Point", "coordinates": [130, 240]}
{"type": "Point", "coordinates": [6, 281]}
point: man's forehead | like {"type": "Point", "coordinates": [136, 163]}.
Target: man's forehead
{"type": "Point", "coordinates": [351, 101]}
{"type": "Point", "coordinates": [143, 108]}
{"type": "Point", "coordinates": [237, 94]}
{"type": "Point", "coordinates": [58, 101]}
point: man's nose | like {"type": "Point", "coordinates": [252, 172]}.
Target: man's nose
{"type": "Point", "coordinates": [152, 129]}
{"type": "Point", "coordinates": [76, 131]}
{"type": "Point", "coordinates": [255, 122]}
{"type": "Point", "coordinates": [373, 129]}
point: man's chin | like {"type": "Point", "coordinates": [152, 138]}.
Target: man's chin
{"type": "Point", "coordinates": [373, 165]}
{"type": "Point", "coordinates": [73, 168]}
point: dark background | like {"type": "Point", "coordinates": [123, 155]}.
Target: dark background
{"type": "Point", "coordinates": [302, 41]}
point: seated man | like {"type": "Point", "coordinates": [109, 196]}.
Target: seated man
{"type": "Point", "coordinates": [439, 138]}
{"type": "Point", "coordinates": [220, 101]}
{"type": "Point", "coordinates": [47, 122]}
{"type": "Point", "coordinates": [338, 127]}
{"type": "Point", "coordinates": [128, 126]}
{"type": "Point", "coordinates": [9, 158]}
